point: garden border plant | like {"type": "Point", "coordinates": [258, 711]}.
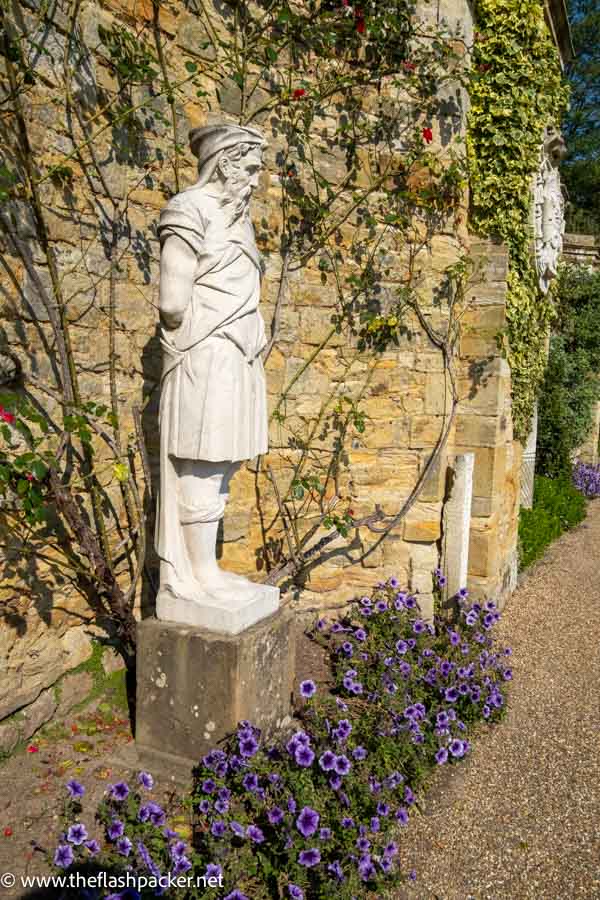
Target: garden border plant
{"type": "Point", "coordinates": [315, 813]}
{"type": "Point", "coordinates": [516, 91]}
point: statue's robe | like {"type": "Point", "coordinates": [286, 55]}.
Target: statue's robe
{"type": "Point", "coordinates": [213, 394]}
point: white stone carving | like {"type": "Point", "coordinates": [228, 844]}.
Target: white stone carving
{"type": "Point", "coordinates": [528, 463]}
{"type": "Point", "coordinates": [457, 524]}
{"type": "Point", "coordinates": [213, 410]}
{"type": "Point", "coordinates": [548, 210]}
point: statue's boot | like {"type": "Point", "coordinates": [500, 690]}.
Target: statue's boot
{"type": "Point", "coordinates": [201, 543]}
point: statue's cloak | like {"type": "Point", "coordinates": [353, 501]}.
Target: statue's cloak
{"type": "Point", "coordinates": [213, 393]}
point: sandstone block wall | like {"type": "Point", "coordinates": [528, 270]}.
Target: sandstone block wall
{"type": "Point", "coordinates": [403, 393]}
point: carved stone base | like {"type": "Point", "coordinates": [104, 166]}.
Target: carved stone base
{"type": "Point", "coordinates": [225, 611]}
{"type": "Point", "coordinates": [194, 686]}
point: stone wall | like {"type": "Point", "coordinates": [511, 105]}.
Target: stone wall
{"type": "Point", "coordinates": [403, 393]}
{"type": "Point", "coordinates": [582, 249]}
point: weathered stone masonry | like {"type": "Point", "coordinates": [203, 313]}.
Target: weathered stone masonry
{"type": "Point", "coordinates": [47, 629]}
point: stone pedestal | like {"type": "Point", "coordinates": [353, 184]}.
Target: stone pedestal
{"type": "Point", "coordinates": [457, 525]}
{"type": "Point", "coordinates": [194, 686]}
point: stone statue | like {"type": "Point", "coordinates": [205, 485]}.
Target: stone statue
{"type": "Point", "coordinates": [213, 410]}
{"type": "Point", "coordinates": [548, 206]}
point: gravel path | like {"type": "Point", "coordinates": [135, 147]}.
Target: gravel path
{"type": "Point", "coordinates": [521, 818]}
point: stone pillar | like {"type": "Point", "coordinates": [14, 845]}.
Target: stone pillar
{"type": "Point", "coordinates": [457, 524]}
{"type": "Point", "coordinates": [588, 452]}
{"type": "Point", "coordinates": [528, 463]}
{"type": "Point", "coordinates": [195, 685]}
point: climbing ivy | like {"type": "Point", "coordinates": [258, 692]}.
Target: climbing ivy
{"type": "Point", "coordinates": [516, 91]}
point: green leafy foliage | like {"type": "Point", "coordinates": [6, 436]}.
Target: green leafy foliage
{"type": "Point", "coordinates": [581, 167]}
{"type": "Point", "coordinates": [557, 506]}
{"type": "Point", "coordinates": [516, 91]}
{"type": "Point", "coordinates": [571, 384]}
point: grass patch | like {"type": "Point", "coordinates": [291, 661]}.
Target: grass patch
{"type": "Point", "coordinates": [557, 507]}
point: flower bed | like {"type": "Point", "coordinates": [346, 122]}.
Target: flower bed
{"type": "Point", "coordinates": [315, 814]}
{"type": "Point", "coordinates": [586, 479]}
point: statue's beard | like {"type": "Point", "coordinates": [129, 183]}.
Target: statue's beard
{"type": "Point", "coordinates": [238, 198]}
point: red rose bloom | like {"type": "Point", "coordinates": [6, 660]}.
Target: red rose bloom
{"type": "Point", "coordinates": [6, 416]}
{"type": "Point", "coordinates": [360, 26]}
{"type": "Point", "coordinates": [427, 135]}
{"type": "Point", "coordinates": [299, 92]}
{"type": "Point", "coordinates": [408, 66]}
{"type": "Point", "coordinates": [8, 832]}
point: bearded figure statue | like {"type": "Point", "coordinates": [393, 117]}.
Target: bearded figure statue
{"type": "Point", "coordinates": [213, 411]}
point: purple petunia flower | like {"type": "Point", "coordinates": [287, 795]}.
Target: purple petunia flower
{"type": "Point", "coordinates": [309, 858]}
{"type": "Point", "coordinates": [115, 830]}
{"type": "Point", "coordinates": [336, 870]}
{"type": "Point", "coordinates": [275, 815]}
{"type": "Point", "coordinates": [308, 688]}
{"type": "Point", "coordinates": [347, 822]}
{"type": "Point", "coordinates": [342, 765]}
{"type": "Point", "coordinates": [248, 745]}
{"type": "Point", "coordinates": [255, 834]}
{"type": "Point", "coordinates": [75, 789]}
{"type": "Point", "coordinates": [77, 834]}
{"type": "Point", "coordinates": [359, 753]}
{"type": "Point", "coordinates": [250, 782]}
{"type": "Point", "coordinates": [335, 782]}
{"type": "Point", "coordinates": [295, 892]}
{"type": "Point", "coordinates": [402, 815]}
{"type": "Point", "coordinates": [366, 869]}
{"type": "Point", "coordinates": [307, 822]}
{"type": "Point", "coordinates": [327, 761]}
{"type": "Point", "coordinates": [146, 780]}
{"type": "Point", "coordinates": [92, 846]}
{"type": "Point", "coordinates": [451, 695]}
{"type": "Point", "coordinates": [304, 756]}
{"type": "Point", "coordinates": [343, 729]}
{"type": "Point", "coordinates": [182, 865]}
{"type": "Point", "coordinates": [124, 846]}
{"type": "Point", "coordinates": [63, 856]}
{"type": "Point", "coordinates": [178, 849]}
{"type": "Point", "coordinates": [213, 871]}
{"type": "Point", "coordinates": [119, 791]}
{"type": "Point", "coordinates": [236, 895]}
{"type": "Point", "coordinates": [217, 829]}
{"type": "Point", "coordinates": [237, 829]}
{"type": "Point", "coordinates": [457, 748]}
{"type": "Point", "coordinates": [441, 756]}
{"type": "Point", "coordinates": [325, 834]}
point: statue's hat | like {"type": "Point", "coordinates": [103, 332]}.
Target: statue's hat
{"type": "Point", "coordinates": [211, 139]}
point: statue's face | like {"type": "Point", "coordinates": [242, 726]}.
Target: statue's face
{"type": "Point", "coordinates": [241, 176]}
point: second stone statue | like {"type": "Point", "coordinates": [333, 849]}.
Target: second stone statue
{"type": "Point", "coordinates": [213, 409]}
